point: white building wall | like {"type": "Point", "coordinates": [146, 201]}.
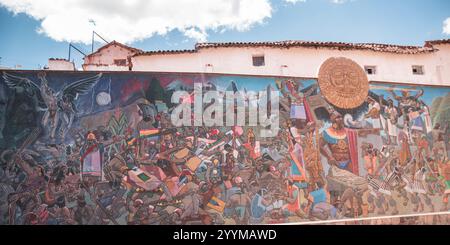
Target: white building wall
{"type": "Point", "coordinates": [442, 58]}
{"type": "Point", "coordinates": [92, 67]}
{"type": "Point", "coordinates": [301, 62]}
{"type": "Point", "coordinates": [104, 60]}
{"type": "Point", "coordinates": [60, 65]}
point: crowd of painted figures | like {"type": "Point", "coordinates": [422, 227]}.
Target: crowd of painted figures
{"type": "Point", "coordinates": [161, 174]}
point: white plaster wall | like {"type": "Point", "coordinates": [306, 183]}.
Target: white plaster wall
{"type": "Point", "coordinates": [104, 60]}
{"type": "Point", "coordinates": [89, 67]}
{"type": "Point", "coordinates": [61, 65]}
{"type": "Point", "coordinates": [301, 62]}
{"type": "Point", "coordinates": [442, 58]}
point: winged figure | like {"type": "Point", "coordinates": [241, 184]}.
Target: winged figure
{"type": "Point", "coordinates": [58, 106]}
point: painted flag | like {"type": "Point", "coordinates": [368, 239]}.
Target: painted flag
{"type": "Point", "coordinates": [148, 132]}
{"type": "Point", "coordinates": [216, 204]}
{"type": "Point", "coordinates": [216, 144]}
{"type": "Point", "coordinates": [143, 179]}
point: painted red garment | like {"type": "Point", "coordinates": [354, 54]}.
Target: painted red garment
{"type": "Point", "coordinates": [352, 138]}
{"type": "Point", "coordinates": [251, 150]}
{"type": "Point", "coordinates": [309, 116]}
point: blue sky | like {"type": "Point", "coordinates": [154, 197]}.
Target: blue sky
{"type": "Point", "coordinates": [34, 33]}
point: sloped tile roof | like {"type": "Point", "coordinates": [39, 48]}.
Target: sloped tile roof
{"type": "Point", "coordinates": [436, 42]}
{"type": "Point", "coordinates": [387, 48]}
{"type": "Point", "coordinates": [117, 44]}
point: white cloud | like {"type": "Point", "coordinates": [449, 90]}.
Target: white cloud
{"type": "Point", "coordinates": [294, 1]}
{"type": "Point", "coordinates": [339, 1]}
{"type": "Point", "coordinates": [332, 1]}
{"type": "Point", "coordinates": [446, 28]}
{"type": "Point", "coordinates": [132, 20]}
{"type": "Point", "coordinates": [199, 35]}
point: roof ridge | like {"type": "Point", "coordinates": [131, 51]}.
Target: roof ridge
{"type": "Point", "coordinates": [305, 41]}
{"type": "Point", "coordinates": [114, 42]}
{"type": "Point", "coordinates": [377, 47]}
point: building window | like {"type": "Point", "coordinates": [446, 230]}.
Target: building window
{"type": "Point", "coordinates": [208, 68]}
{"type": "Point", "coordinates": [370, 70]}
{"type": "Point", "coordinates": [418, 70]}
{"type": "Point", "coordinates": [120, 62]}
{"type": "Point", "coordinates": [258, 60]}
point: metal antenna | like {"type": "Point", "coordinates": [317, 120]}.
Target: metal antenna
{"type": "Point", "coordinates": [72, 46]}
{"type": "Point", "coordinates": [96, 34]}
{"type": "Point", "coordinates": [92, 44]}
{"type": "Point", "coordinates": [92, 21]}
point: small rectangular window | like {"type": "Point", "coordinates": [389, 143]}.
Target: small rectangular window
{"type": "Point", "coordinates": [418, 70]}
{"type": "Point", "coordinates": [258, 60]}
{"type": "Point", "coordinates": [120, 62]}
{"type": "Point", "coordinates": [370, 70]}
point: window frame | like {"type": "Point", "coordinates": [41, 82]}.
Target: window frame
{"type": "Point", "coordinates": [371, 67]}
{"type": "Point", "coordinates": [120, 62]}
{"type": "Point", "coordinates": [420, 70]}
{"type": "Point", "coordinates": [255, 58]}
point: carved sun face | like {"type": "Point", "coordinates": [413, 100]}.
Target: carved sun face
{"type": "Point", "coordinates": [343, 83]}
{"type": "Point", "coordinates": [345, 80]}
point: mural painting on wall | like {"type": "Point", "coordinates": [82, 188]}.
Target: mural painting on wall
{"type": "Point", "coordinates": [101, 148]}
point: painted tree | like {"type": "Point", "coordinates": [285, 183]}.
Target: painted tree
{"type": "Point", "coordinates": [440, 110]}
{"type": "Point", "coordinates": [118, 125]}
{"type": "Point", "coordinates": [155, 91]}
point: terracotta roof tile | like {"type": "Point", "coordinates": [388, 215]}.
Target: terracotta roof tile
{"type": "Point", "coordinates": [59, 59]}
{"type": "Point", "coordinates": [437, 42]}
{"type": "Point", "coordinates": [387, 48]}
{"type": "Point", "coordinates": [118, 44]}
{"type": "Point", "coordinates": [334, 45]}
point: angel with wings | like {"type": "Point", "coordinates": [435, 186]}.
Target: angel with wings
{"type": "Point", "coordinates": [58, 106]}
